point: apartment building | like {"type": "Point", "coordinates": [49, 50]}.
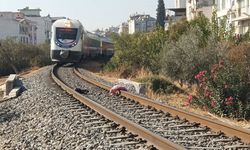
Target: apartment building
{"type": "Point", "coordinates": [43, 23]}
{"type": "Point", "coordinates": [193, 7]}
{"type": "Point", "coordinates": [180, 3]}
{"type": "Point", "coordinates": [141, 23]}
{"type": "Point", "coordinates": [175, 14]}
{"type": "Point", "coordinates": [14, 25]}
{"type": "Point", "coordinates": [237, 11]}
{"type": "Point", "coordinates": [123, 28]}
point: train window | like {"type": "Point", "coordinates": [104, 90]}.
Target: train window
{"type": "Point", "coordinates": [66, 35]}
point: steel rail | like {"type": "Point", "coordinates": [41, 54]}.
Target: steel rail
{"type": "Point", "coordinates": [153, 139]}
{"type": "Point", "coordinates": [217, 126]}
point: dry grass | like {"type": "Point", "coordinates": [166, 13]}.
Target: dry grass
{"type": "Point", "coordinates": [142, 73]}
{"type": "Point", "coordinates": [3, 79]}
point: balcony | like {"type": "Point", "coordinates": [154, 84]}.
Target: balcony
{"type": "Point", "coordinates": [244, 11]}
{"type": "Point", "coordinates": [242, 14]}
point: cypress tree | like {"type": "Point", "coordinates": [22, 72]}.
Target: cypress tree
{"type": "Point", "coordinates": [161, 12]}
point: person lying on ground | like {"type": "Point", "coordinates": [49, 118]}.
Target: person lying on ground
{"type": "Point", "coordinates": [116, 90]}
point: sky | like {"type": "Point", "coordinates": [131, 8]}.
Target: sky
{"type": "Point", "coordinates": [94, 14]}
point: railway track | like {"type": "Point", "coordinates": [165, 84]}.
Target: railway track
{"type": "Point", "coordinates": [152, 139]}
{"type": "Point", "coordinates": [97, 127]}
{"type": "Point", "coordinates": [187, 131]}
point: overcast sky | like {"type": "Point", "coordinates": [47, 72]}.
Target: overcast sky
{"type": "Point", "coordinates": [92, 13]}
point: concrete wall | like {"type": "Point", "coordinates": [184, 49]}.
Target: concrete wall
{"type": "Point", "coordinates": [8, 28]}
{"type": "Point", "coordinates": [131, 26]}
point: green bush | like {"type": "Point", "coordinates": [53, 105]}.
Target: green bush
{"type": "Point", "coordinates": [239, 57]}
{"type": "Point", "coordinates": [42, 57]}
{"type": "Point", "coordinates": [182, 59]}
{"type": "Point", "coordinates": [160, 85]}
{"type": "Point", "coordinates": [140, 50]}
{"type": "Point", "coordinates": [17, 56]}
{"type": "Point", "coordinates": [178, 29]}
{"type": "Point", "coordinates": [222, 91]}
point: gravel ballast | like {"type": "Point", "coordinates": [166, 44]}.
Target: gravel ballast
{"type": "Point", "coordinates": [41, 118]}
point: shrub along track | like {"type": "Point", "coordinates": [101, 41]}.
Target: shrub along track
{"type": "Point", "coordinates": [158, 118]}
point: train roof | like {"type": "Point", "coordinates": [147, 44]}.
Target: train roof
{"type": "Point", "coordinates": [98, 37]}
{"type": "Point", "coordinates": [64, 22]}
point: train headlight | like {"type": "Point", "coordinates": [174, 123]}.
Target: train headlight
{"type": "Point", "coordinates": [67, 24]}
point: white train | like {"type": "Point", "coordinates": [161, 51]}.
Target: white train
{"type": "Point", "coordinates": [70, 42]}
{"type": "Point", "coordinates": [66, 41]}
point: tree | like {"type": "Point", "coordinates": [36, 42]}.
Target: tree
{"type": "Point", "coordinates": [5, 55]}
{"type": "Point", "coordinates": [161, 12]}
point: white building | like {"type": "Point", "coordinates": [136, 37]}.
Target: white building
{"type": "Point", "coordinates": [237, 11]}
{"type": "Point", "coordinates": [43, 23]}
{"type": "Point", "coordinates": [141, 23]}
{"type": "Point", "coordinates": [193, 7]}
{"type": "Point", "coordinates": [14, 25]}
{"type": "Point", "coordinates": [174, 15]}
{"type": "Point", "coordinates": [123, 28]}
{"type": "Point", "coordinates": [180, 3]}
{"type": "Point", "coordinates": [178, 14]}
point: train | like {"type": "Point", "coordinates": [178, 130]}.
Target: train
{"type": "Point", "coordinates": [70, 43]}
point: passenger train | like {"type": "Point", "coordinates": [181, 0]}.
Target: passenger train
{"type": "Point", "coordinates": [70, 42]}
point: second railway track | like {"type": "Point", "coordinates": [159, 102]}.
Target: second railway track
{"type": "Point", "coordinates": [159, 120]}
{"type": "Point", "coordinates": [152, 139]}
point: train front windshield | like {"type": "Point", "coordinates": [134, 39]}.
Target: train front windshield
{"type": "Point", "coordinates": [66, 35]}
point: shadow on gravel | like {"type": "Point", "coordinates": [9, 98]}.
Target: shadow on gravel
{"type": "Point", "coordinates": [8, 116]}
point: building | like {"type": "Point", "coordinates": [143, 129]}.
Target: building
{"type": "Point", "coordinates": [43, 23]}
{"type": "Point", "coordinates": [193, 7]}
{"type": "Point", "coordinates": [112, 29]}
{"type": "Point", "coordinates": [180, 3]}
{"type": "Point", "coordinates": [141, 23]}
{"type": "Point", "coordinates": [14, 25]}
{"type": "Point", "coordinates": [237, 12]}
{"type": "Point", "coordinates": [123, 28]}
{"type": "Point", "coordinates": [175, 14]}
{"type": "Point", "coordinates": [26, 26]}
{"type": "Point", "coordinates": [30, 12]}
{"type": "Point", "coordinates": [179, 13]}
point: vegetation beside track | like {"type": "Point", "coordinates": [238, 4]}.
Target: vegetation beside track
{"type": "Point", "coordinates": [201, 53]}
{"type": "Point", "coordinates": [16, 57]}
